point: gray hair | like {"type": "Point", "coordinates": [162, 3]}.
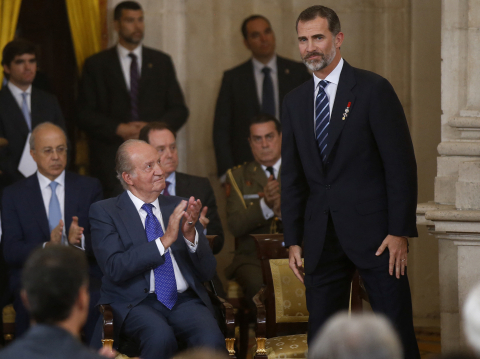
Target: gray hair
{"type": "Point", "coordinates": [123, 162]}
{"type": "Point", "coordinates": [471, 318]}
{"type": "Point", "coordinates": [359, 336]}
{"type": "Point", "coordinates": [40, 127]}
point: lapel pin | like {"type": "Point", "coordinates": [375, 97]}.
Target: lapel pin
{"type": "Point", "coordinates": [150, 65]}
{"type": "Point", "coordinates": [347, 110]}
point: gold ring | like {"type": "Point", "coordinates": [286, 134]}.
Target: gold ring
{"type": "Point", "coordinates": [192, 223]}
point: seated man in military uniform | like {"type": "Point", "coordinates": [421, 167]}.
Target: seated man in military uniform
{"type": "Point", "coordinates": [253, 201]}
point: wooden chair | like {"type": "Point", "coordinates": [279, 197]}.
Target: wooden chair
{"type": "Point", "coordinates": [282, 316]}
{"type": "Point", "coordinates": [130, 349]}
{"type": "Point", "coordinates": [8, 314]}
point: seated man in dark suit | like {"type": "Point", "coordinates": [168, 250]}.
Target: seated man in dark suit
{"type": "Point", "coordinates": [163, 138]}
{"type": "Point", "coordinates": [154, 257]}
{"type": "Point", "coordinates": [22, 107]}
{"type": "Point", "coordinates": [253, 201]}
{"type": "Point", "coordinates": [48, 208]}
{"type": "Point", "coordinates": [55, 290]}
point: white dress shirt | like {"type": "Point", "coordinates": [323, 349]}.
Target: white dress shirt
{"type": "Point", "coordinates": [331, 90]}
{"type": "Point", "coordinates": [173, 184]}
{"type": "Point", "coordinates": [259, 76]}
{"type": "Point", "coordinates": [17, 95]}
{"type": "Point", "coordinates": [182, 284]}
{"type": "Point", "coordinates": [46, 191]}
{"type": "Point", "coordinates": [126, 61]}
{"type": "Point", "coordinates": [267, 211]}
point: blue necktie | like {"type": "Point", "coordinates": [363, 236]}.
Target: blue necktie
{"type": "Point", "coordinates": [165, 283]}
{"type": "Point", "coordinates": [54, 212]}
{"type": "Point", "coordinates": [322, 118]}
{"type": "Point", "coordinates": [26, 112]}
{"type": "Point", "coordinates": [268, 98]}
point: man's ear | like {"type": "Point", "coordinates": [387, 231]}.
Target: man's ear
{"type": "Point", "coordinates": [23, 295]}
{"type": "Point", "coordinates": [6, 69]}
{"type": "Point", "coordinates": [127, 177]}
{"type": "Point", "coordinates": [339, 39]}
{"type": "Point", "coordinates": [245, 42]}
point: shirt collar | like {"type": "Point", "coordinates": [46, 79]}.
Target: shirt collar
{"type": "Point", "coordinates": [172, 178]}
{"type": "Point", "coordinates": [123, 52]}
{"type": "Point", "coordinates": [272, 64]}
{"type": "Point", "coordinates": [276, 166]}
{"type": "Point", "coordinates": [16, 91]}
{"type": "Point", "coordinates": [138, 203]}
{"type": "Point", "coordinates": [333, 77]}
{"type": "Point", "coordinates": [45, 182]}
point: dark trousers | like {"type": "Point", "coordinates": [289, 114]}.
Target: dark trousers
{"type": "Point", "coordinates": [328, 292]}
{"type": "Point", "coordinates": [157, 328]}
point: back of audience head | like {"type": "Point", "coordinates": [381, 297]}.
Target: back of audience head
{"type": "Point", "coordinates": [358, 336]}
{"type": "Point", "coordinates": [19, 61]}
{"type": "Point", "coordinates": [55, 285]}
{"type": "Point", "coordinates": [471, 319]}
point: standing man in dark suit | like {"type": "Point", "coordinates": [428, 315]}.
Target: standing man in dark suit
{"type": "Point", "coordinates": [349, 182]}
{"type": "Point", "coordinates": [258, 85]}
{"type": "Point", "coordinates": [22, 107]}
{"type": "Point", "coordinates": [154, 257]}
{"type": "Point", "coordinates": [48, 208]}
{"type": "Point", "coordinates": [55, 289]}
{"type": "Point", "coordinates": [123, 88]}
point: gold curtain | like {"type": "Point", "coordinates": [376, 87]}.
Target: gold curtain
{"type": "Point", "coordinates": [85, 25]}
{"type": "Point", "coordinates": [9, 10]}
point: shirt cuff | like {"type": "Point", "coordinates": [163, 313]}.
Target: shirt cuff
{"type": "Point", "coordinates": [160, 246]}
{"type": "Point", "coordinates": [82, 243]}
{"type": "Point", "coordinates": [192, 247]}
{"type": "Point", "coordinates": [267, 211]}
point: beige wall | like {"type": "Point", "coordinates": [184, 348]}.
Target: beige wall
{"type": "Point", "coordinates": [399, 39]}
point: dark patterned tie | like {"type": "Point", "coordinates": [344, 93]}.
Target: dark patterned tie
{"type": "Point", "coordinates": [270, 169]}
{"type": "Point", "coordinates": [165, 283]}
{"type": "Point", "coordinates": [165, 191]}
{"type": "Point", "coordinates": [322, 118]}
{"type": "Point", "coordinates": [134, 77]}
{"type": "Point", "coordinates": [268, 98]}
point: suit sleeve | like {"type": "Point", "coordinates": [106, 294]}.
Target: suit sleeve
{"type": "Point", "coordinates": [392, 136]}
{"type": "Point", "coordinates": [177, 112]}
{"type": "Point", "coordinates": [294, 189]}
{"type": "Point", "coordinates": [15, 246]}
{"type": "Point", "coordinates": [222, 127]}
{"type": "Point", "coordinates": [96, 195]}
{"type": "Point", "coordinates": [215, 225]}
{"type": "Point", "coordinates": [117, 262]}
{"type": "Point", "coordinates": [203, 260]}
{"type": "Point", "coordinates": [89, 117]}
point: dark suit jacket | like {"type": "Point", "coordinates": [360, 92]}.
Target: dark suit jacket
{"type": "Point", "coordinates": [25, 223]}
{"type": "Point", "coordinates": [44, 107]}
{"type": "Point", "coordinates": [369, 181]}
{"type": "Point", "coordinates": [126, 257]}
{"type": "Point", "coordinates": [200, 188]}
{"type": "Point", "coordinates": [237, 104]}
{"type": "Point", "coordinates": [48, 342]}
{"type": "Point", "coordinates": [104, 103]}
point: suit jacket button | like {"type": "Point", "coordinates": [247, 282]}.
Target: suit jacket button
{"type": "Point", "coordinates": [146, 290]}
{"type": "Point", "coordinates": [129, 306]}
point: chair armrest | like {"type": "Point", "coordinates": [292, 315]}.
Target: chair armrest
{"type": "Point", "coordinates": [229, 321]}
{"type": "Point", "coordinates": [261, 324]}
{"type": "Point", "coordinates": [107, 327]}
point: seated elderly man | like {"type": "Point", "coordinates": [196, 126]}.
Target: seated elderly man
{"type": "Point", "coordinates": [356, 336]}
{"type": "Point", "coordinates": [154, 257]}
{"type": "Point", "coordinates": [55, 290]}
{"type": "Point", "coordinates": [253, 201]}
{"type": "Point", "coordinates": [48, 208]}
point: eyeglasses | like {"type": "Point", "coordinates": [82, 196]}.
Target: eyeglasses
{"type": "Point", "coordinates": [48, 151]}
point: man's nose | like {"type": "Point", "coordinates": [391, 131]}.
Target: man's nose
{"type": "Point", "coordinates": [264, 142]}
{"type": "Point", "coordinates": [310, 45]}
{"type": "Point", "coordinates": [158, 169]}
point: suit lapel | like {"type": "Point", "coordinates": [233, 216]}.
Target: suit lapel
{"type": "Point", "coordinates": [116, 69]}
{"type": "Point", "coordinates": [180, 184]}
{"type": "Point", "coordinates": [147, 66]}
{"type": "Point", "coordinates": [35, 114]}
{"type": "Point", "coordinates": [342, 98]}
{"type": "Point", "coordinates": [35, 202]}
{"type": "Point", "coordinates": [16, 112]}
{"type": "Point", "coordinates": [70, 201]}
{"type": "Point", "coordinates": [131, 219]}
{"type": "Point", "coordinates": [250, 87]}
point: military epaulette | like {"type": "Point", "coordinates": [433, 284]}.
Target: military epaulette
{"type": "Point", "coordinates": [235, 186]}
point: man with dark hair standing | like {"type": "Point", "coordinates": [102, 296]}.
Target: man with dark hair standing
{"type": "Point", "coordinates": [253, 201]}
{"type": "Point", "coordinates": [256, 86]}
{"type": "Point", "coordinates": [55, 290]}
{"type": "Point", "coordinates": [123, 88]}
{"type": "Point", "coordinates": [48, 208]}
{"type": "Point", "coordinates": [22, 107]}
{"type": "Point", "coordinates": [349, 182]}
{"type": "Point", "coordinates": [154, 257]}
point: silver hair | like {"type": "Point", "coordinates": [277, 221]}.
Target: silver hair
{"type": "Point", "coordinates": [359, 336]}
{"type": "Point", "coordinates": [471, 319]}
{"type": "Point", "coordinates": [40, 127]}
{"type": "Point", "coordinates": [123, 162]}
